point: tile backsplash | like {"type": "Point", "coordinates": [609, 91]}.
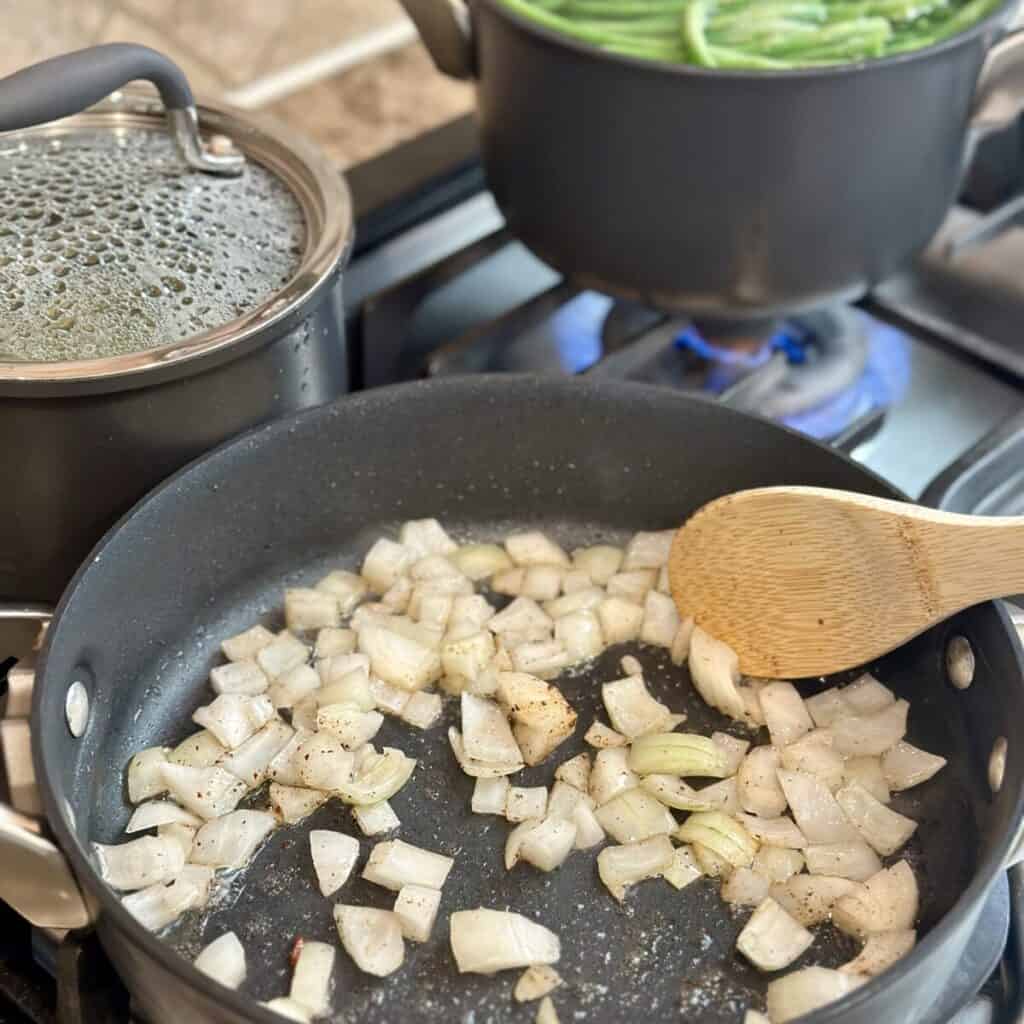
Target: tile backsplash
{"type": "Point", "coordinates": [291, 57]}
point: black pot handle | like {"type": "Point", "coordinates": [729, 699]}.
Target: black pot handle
{"type": "Point", "coordinates": [445, 30]}
{"type": "Point", "coordinates": [999, 95]}
{"type": "Point", "coordinates": [66, 85]}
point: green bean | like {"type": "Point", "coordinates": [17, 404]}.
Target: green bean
{"type": "Point", "coordinates": [840, 34]}
{"type": "Point", "coordinates": [763, 40]}
{"type": "Point", "coordinates": [621, 8]}
{"type": "Point", "coordinates": [694, 19]}
{"type": "Point", "coordinates": [797, 10]}
{"type": "Point", "coordinates": [894, 10]}
{"type": "Point", "coordinates": [726, 58]}
{"type": "Point", "coordinates": [665, 27]}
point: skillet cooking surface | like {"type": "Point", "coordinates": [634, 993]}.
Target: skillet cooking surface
{"type": "Point", "coordinates": [315, 500]}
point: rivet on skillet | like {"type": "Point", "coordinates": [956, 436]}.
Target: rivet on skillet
{"type": "Point", "coordinates": [76, 708]}
{"type": "Point", "coordinates": [960, 662]}
{"type": "Point", "coordinates": [997, 764]}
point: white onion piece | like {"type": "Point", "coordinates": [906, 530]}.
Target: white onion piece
{"type": "Point", "coordinates": [230, 841]}
{"type": "Point", "coordinates": [387, 698]}
{"type": "Point", "coordinates": [745, 888]}
{"type": "Point", "coordinates": [777, 864]}
{"type": "Point", "coordinates": [286, 1007]}
{"type": "Point", "coordinates": [190, 889]}
{"type": "Point", "coordinates": [683, 870]}
{"type": "Point", "coordinates": [398, 660]}
{"type": "Point", "coordinates": [397, 597]}
{"type": "Point", "coordinates": [673, 792]}
{"type": "Point", "coordinates": [602, 737]}
{"type": "Point", "coordinates": [332, 640]}
{"type": "Point", "coordinates": [384, 563]}
{"type": "Point", "coordinates": [334, 856]}
{"type": "Point", "coordinates": [620, 619]}
{"type": "Point", "coordinates": [526, 802]}
{"type": "Point", "coordinates": [139, 863]}
{"type": "Point", "coordinates": [623, 866]}
{"type": "Point", "coordinates": [490, 796]}
{"type": "Point", "coordinates": [757, 783]}
{"type": "Point", "coordinates": [632, 585]}
{"type": "Point", "coordinates": [661, 620]}
{"type": "Point", "coordinates": [352, 688]}
{"type": "Point", "coordinates": [160, 812]}
{"type": "Point", "coordinates": [543, 717]}
{"type": "Point", "coordinates": [753, 1017]}
{"type": "Point", "coordinates": [284, 767]}
{"type": "Point", "coordinates": [373, 938]}
{"type": "Point", "coordinates": [710, 863]}
{"type": "Point", "coordinates": [246, 645]}
{"type": "Point", "coordinates": [866, 695]}
{"type": "Point", "coordinates": [580, 635]}
{"type": "Point", "coordinates": [634, 815]}
{"type": "Point", "coordinates": [771, 939]}
{"type": "Point", "coordinates": [311, 977]}
{"type": "Point", "coordinates": [416, 908]}
{"type": "Point", "coordinates": [223, 960]}
{"type": "Point", "coordinates": [422, 710]}
{"type": "Point", "coordinates": [680, 649]}
{"type": "Point", "coordinates": [149, 907]}
{"type": "Point", "coordinates": [648, 550]}
{"type": "Point", "coordinates": [548, 845]}
{"type": "Point", "coordinates": [304, 715]}
{"type": "Point", "coordinates": [813, 757]}
{"type": "Point", "coordinates": [394, 863]}
{"type": "Point", "coordinates": [523, 616]}
{"type": "Point", "coordinates": [600, 562]}
{"type": "Point", "coordinates": [885, 829]}
{"type": "Point", "coordinates": [306, 608]}
{"type": "Point", "coordinates": [820, 818]}
{"type": "Point", "coordinates": [867, 772]}
{"type": "Point", "coordinates": [564, 799]}
{"type": "Point", "coordinates": [380, 777]}
{"type": "Point", "coordinates": [631, 708]}
{"type": "Point", "coordinates": [466, 658]}
{"type": "Point", "coordinates": [426, 537]}
{"type": "Point", "coordinates": [852, 859]}
{"type": "Point", "coordinates": [781, 831]}
{"type": "Point", "coordinates": [865, 735]}
{"type": "Point", "coordinates": [208, 792]}
{"type": "Point", "coordinates": [811, 898]}
{"type": "Point", "coordinates": [546, 1013]}
{"type": "Point", "coordinates": [586, 599]}
{"type": "Point", "coordinates": [324, 763]}
{"type": "Point", "coordinates": [515, 839]}
{"type": "Point", "coordinates": [535, 983]}
{"type": "Point", "coordinates": [715, 669]}
{"type": "Point", "coordinates": [721, 796]}
{"type": "Point", "coordinates": [806, 990]}
{"type": "Point", "coordinates": [721, 834]}
{"type": "Point", "coordinates": [284, 652]}
{"type": "Point", "coordinates": [234, 717]}
{"type": "Point", "coordinates": [485, 941]}
{"type": "Point", "coordinates": [337, 668]}
{"type": "Point", "coordinates": [904, 766]}
{"type": "Point", "coordinates": [575, 580]}
{"type": "Point", "coordinates": [376, 819]}
{"type": "Point", "coordinates": [252, 760]}
{"type": "Point", "coordinates": [886, 902]}
{"type": "Point", "coordinates": [542, 582]}
{"type": "Point", "coordinates": [575, 772]}
{"type": "Point", "coordinates": [145, 774]}
{"type": "Point", "coordinates": [534, 548]}
{"type": "Point", "coordinates": [180, 834]}
{"type": "Point", "coordinates": [589, 832]}
{"type": "Point", "coordinates": [734, 750]}
{"type": "Point", "coordinates": [346, 588]}
{"type": "Point", "coordinates": [508, 582]}
{"type": "Point", "coordinates": [245, 677]}
{"type": "Point", "coordinates": [291, 804]}
{"type": "Point", "coordinates": [293, 686]}
{"type": "Point", "coordinates": [478, 561]}
{"type": "Point", "coordinates": [200, 750]}
{"type": "Point", "coordinates": [611, 775]}
{"type": "Point", "coordinates": [826, 707]}
{"type": "Point", "coordinates": [880, 952]}
{"type": "Point", "coordinates": [784, 713]}
{"type": "Point", "coordinates": [544, 659]}
{"type": "Point", "coordinates": [486, 734]}
{"type": "Point", "coordinates": [352, 726]}
{"type": "Point", "coordinates": [478, 769]}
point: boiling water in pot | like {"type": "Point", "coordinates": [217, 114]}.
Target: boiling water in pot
{"type": "Point", "coordinates": [109, 244]}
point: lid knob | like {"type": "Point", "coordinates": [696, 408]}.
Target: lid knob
{"type": "Point", "coordinates": [68, 84]}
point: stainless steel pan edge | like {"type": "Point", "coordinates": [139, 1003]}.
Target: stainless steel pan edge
{"type": "Point", "coordinates": [166, 983]}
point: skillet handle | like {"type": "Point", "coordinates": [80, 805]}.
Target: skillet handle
{"type": "Point", "coordinates": [444, 27]}
{"type": "Point", "coordinates": [999, 94]}
{"type": "Point", "coordinates": [35, 879]}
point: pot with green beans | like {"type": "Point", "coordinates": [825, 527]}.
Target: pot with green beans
{"type": "Point", "coordinates": [729, 158]}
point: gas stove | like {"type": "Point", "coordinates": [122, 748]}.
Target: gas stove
{"type": "Point", "coordinates": [923, 381]}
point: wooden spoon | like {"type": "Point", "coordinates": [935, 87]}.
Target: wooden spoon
{"type": "Point", "coordinates": [805, 581]}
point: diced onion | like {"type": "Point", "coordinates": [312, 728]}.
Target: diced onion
{"type": "Point", "coordinates": [564, 799]}
{"type": "Point", "coordinates": [183, 835]}
{"type": "Point", "coordinates": [805, 990]}
{"type": "Point", "coordinates": [543, 717]}
{"type": "Point", "coordinates": [252, 760]}
{"type": "Point", "coordinates": [721, 834]}
{"type": "Point", "coordinates": [478, 769]}
{"type": "Point", "coordinates": [376, 819]}
{"type": "Point", "coordinates": [710, 862]}
{"type": "Point", "coordinates": [886, 902]}
{"type": "Point", "coordinates": [542, 582]}
{"type": "Point", "coordinates": [753, 1017]}
{"type": "Point", "coordinates": [422, 710]}
{"type": "Point", "coordinates": [589, 832]}
{"type": "Point", "coordinates": [394, 863]}
{"type": "Point", "coordinates": [781, 831]}
{"type": "Point", "coordinates": [866, 695]}
{"type": "Point", "coordinates": [373, 938]}
{"type": "Point", "coordinates": [293, 686]}
{"type": "Point", "coordinates": [575, 580]}
{"type": "Point", "coordinates": [880, 952]}
{"type": "Point", "coordinates": [490, 796]}
{"type": "Point", "coordinates": [904, 766]}
{"type": "Point", "coordinates": [208, 792]}
{"type": "Point", "coordinates": [546, 1013]}
{"type": "Point", "coordinates": [324, 763]}
{"type": "Point", "coordinates": [632, 585]}
{"type": "Point", "coordinates": [661, 620]}
{"type": "Point", "coordinates": [333, 641]}
{"type": "Point", "coordinates": [466, 658]}
{"type": "Point", "coordinates": [230, 841]}
{"type": "Point", "coordinates": [623, 866]}
{"type": "Point", "coordinates": [336, 669]}
{"type": "Point", "coordinates": [632, 710]}
{"type": "Point", "coordinates": [291, 804]}
{"type": "Point", "coordinates": [826, 707]}
{"type": "Point", "coordinates": [515, 839]}
{"type": "Point", "coordinates": [575, 772]}
{"type": "Point", "coordinates": [580, 634]}
{"type": "Point", "coordinates": [311, 977]}
{"type": "Point", "coordinates": [584, 600]}
{"type": "Point", "coordinates": [611, 775]}
{"type": "Point", "coordinates": [246, 645]}
{"type": "Point", "coordinates": [621, 620]}
{"type": "Point", "coordinates": [486, 734]}
{"type": "Point", "coordinates": [352, 726]}
{"type": "Point", "coordinates": [867, 772]}
{"type": "Point", "coordinates": [720, 796]}
{"type": "Point", "coordinates": [715, 669]}
{"type": "Point", "coordinates": [811, 898]}
{"type": "Point", "coordinates": [223, 960]}
{"type": "Point", "coordinates": [379, 778]}
{"type": "Point", "coordinates": [145, 774]}
{"type": "Point", "coordinates": [234, 717]}
{"type": "Point", "coordinates": [160, 812]}
{"type": "Point", "coordinates": [745, 888]}
{"type": "Point", "coordinates": [534, 548]}
{"type": "Point", "coordinates": [384, 563]}
{"type": "Point", "coordinates": [852, 859]}
{"type": "Point", "coordinates": [544, 659]}
{"type": "Point", "coordinates": [677, 753]}
{"type": "Point", "coordinates": [523, 802]}
{"type": "Point", "coordinates": [508, 582]}
{"type": "Point", "coordinates": [200, 750]}
{"type": "Point", "coordinates": [757, 783]}
{"type": "Point", "coordinates": [346, 687]}
{"type": "Point", "coordinates": [820, 818]}
{"type": "Point", "coordinates": [648, 550]}
{"type": "Point", "coordinates": [285, 766]}
{"type": "Point", "coordinates": [523, 615]}
{"type": "Point", "coordinates": [673, 792]}
{"type": "Point", "coordinates": [535, 983]}
{"type": "Point", "coordinates": [485, 941]}
{"type": "Point", "coordinates": [865, 735]}
{"type": "Point", "coordinates": [548, 844]}
{"type": "Point", "coordinates": [478, 561]}
{"type": "Point", "coordinates": [334, 856]}
{"type": "Point", "coordinates": [306, 608]}
{"type": "Point", "coordinates": [776, 864]}
{"type": "Point", "coordinates": [284, 652]}
{"type": "Point", "coordinates": [683, 870]}
{"type": "Point", "coordinates": [885, 829]}
{"type": "Point", "coordinates": [427, 537]}
{"type": "Point", "coordinates": [387, 698]}
{"type": "Point", "coordinates": [784, 713]}
{"type": "Point", "coordinates": [416, 908]}
{"type": "Point", "coordinates": [139, 863]}
{"type": "Point", "coordinates": [733, 748]}
{"type": "Point", "coordinates": [815, 758]}
{"type": "Point", "coordinates": [346, 588]}
{"type": "Point", "coordinates": [286, 1007]}
{"type": "Point", "coordinates": [245, 677]}
{"type": "Point", "coordinates": [601, 737]}
{"type": "Point", "coordinates": [771, 938]}
{"type": "Point", "coordinates": [398, 660]}
{"type": "Point", "coordinates": [600, 562]}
